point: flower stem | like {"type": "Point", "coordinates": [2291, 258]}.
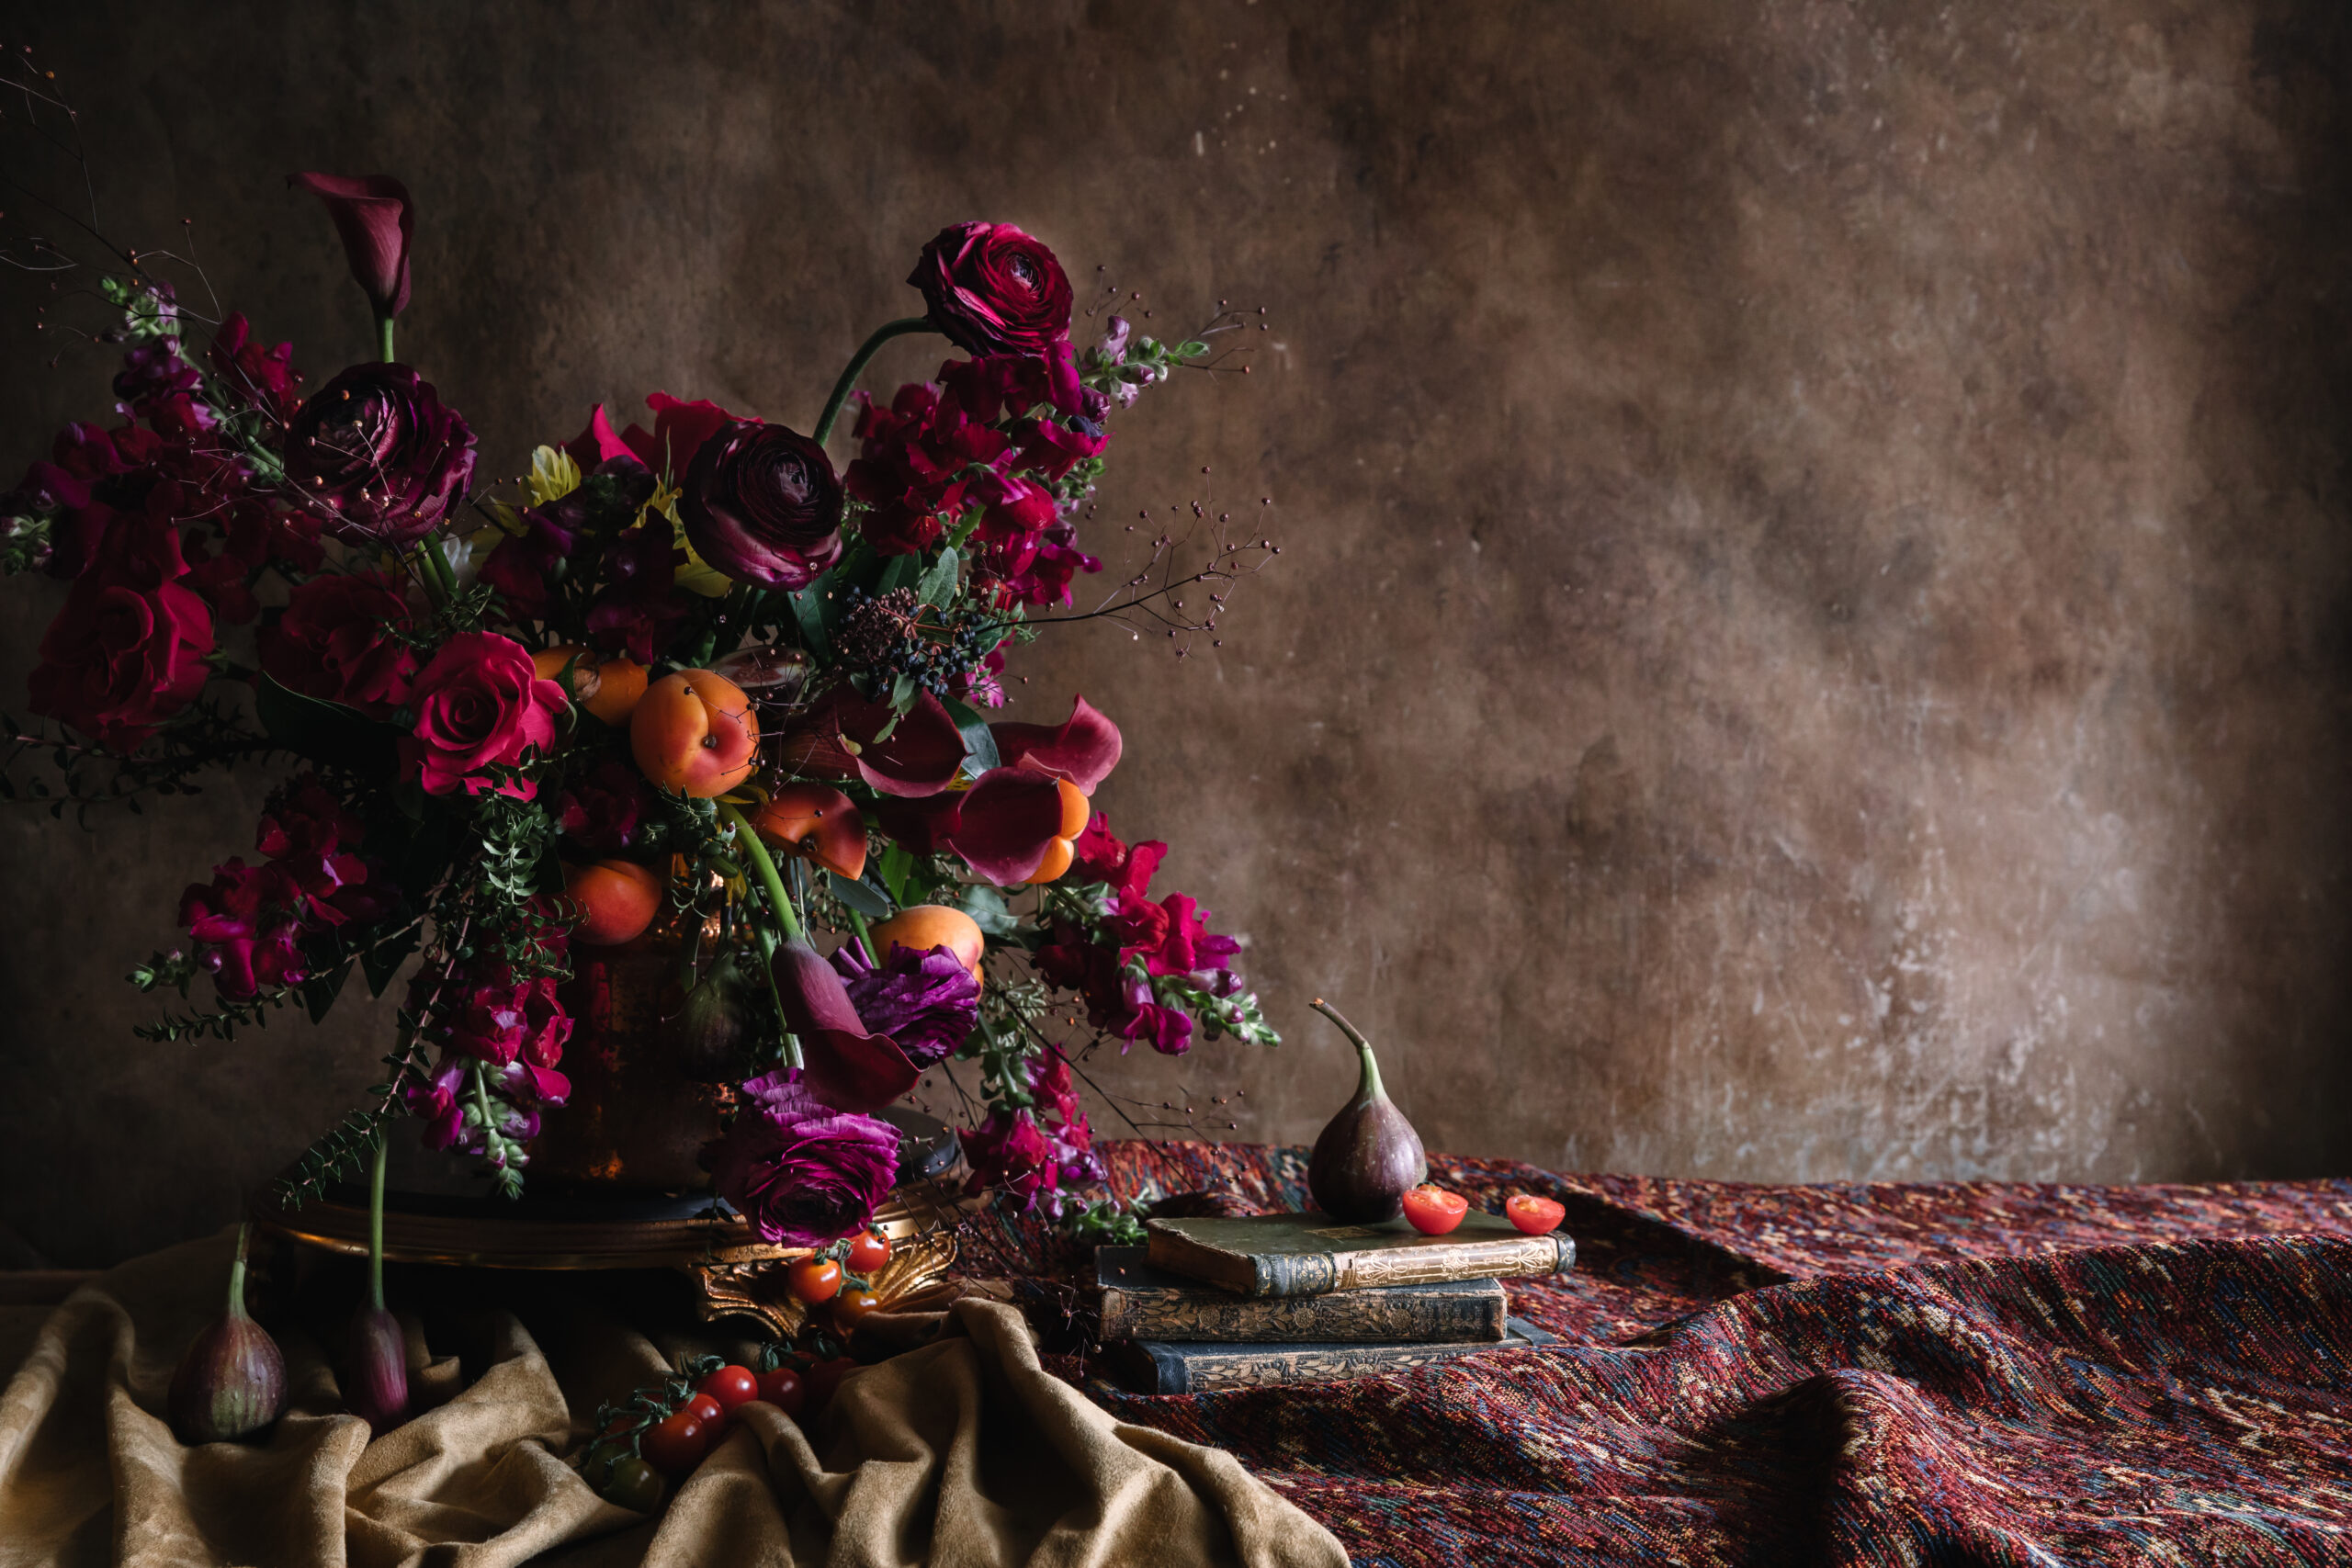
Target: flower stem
{"type": "Point", "coordinates": [384, 337]}
{"type": "Point", "coordinates": [437, 575]}
{"type": "Point", "coordinates": [866, 352]}
{"type": "Point", "coordinates": [748, 837]}
{"type": "Point", "coordinates": [237, 1271]}
{"type": "Point", "coordinates": [1370, 1084]}
{"type": "Point", "coordinates": [374, 1225]}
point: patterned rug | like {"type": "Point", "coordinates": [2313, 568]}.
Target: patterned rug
{"type": "Point", "coordinates": [1955, 1373]}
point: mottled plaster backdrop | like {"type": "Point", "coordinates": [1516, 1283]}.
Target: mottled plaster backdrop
{"type": "Point", "coordinates": [1810, 637]}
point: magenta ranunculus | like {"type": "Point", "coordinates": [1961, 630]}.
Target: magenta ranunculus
{"type": "Point", "coordinates": [479, 706]}
{"type": "Point", "coordinates": [762, 504]}
{"type": "Point", "coordinates": [127, 651]}
{"type": "Point", "coordinates": [801, 1172]}
{"type": "Point", "coordinates": [924, 1001]}
{"type": "Point", "coordinates": [337, 641]}
{"type": "Point", "coordinates": [377, 458]}
{"type": "Point", "coordinates": [993, 289]}
{"type": "Point", "coordinates": [373, 215]}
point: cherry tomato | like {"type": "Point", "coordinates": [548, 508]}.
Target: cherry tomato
{"type": "Point", "coordinates": [673, 1445]}
{"type": "Point", "coordinates": [707, 1411]}
{"type": "Point", "coordinates": [814, 1279]}
{"type": "Point", "coordinates": [851, 1306]}
{"type": "Point", "coordinates": [868, 1252]}
{"type": "Point", "coordinates": [1536, 1216]}
{"type": "Point", "coordinates": [784, 1388]}
{"type": "Point", "coordinates": [1434, 1211]}
{"type": "Point", "coordinates": [823, 1379]}
{"type": "Point", "coordinates": [731, 1386]}
{"type": "Point", "coordinates": [633, 1485]}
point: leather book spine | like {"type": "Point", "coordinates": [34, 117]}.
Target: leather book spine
{"type": "Point", "coordinates": [1156, 1368]}
{"type": "Point", "coordinates": [1455, 1317]}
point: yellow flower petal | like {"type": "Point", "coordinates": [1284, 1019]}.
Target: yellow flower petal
{"type": "Point", "coordinates": [553, 474]}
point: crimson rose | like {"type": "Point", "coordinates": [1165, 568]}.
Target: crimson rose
{"type": "Point", "coordinates": [992, 290]}
{"type": "Point", "coordinates": [478, 704]}
{"type": "Point", "coordinates": [762, 504]}
{"type": "Point", "coordinates": [128, 650]}
{"type": "Point", "coordinates": [336, 641]}
{"type": "Point", "coordinates": [377, 456]}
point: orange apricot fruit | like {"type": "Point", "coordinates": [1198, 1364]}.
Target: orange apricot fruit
{"type": "Point", "coordinates": [617, 899]}
{"type": "Point", "coordinates": [818, 821]}
{"type": "Point", "coordinates": [925, 926]}
{"type": "Point", "coordinates": [608, 688]}
{"type": "Point", "coordinates": [694, 732]}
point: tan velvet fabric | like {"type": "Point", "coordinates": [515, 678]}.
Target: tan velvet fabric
{"type": "Point", "coordinates": [962, 1450]}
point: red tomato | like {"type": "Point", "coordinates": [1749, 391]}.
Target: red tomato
{"type": "Point", "coordinates": [823, 1379]}
{"type": "Point", "coordinates": [814, 1279]}
{"type": "Point", "coordinates": [851, 1306]}
{"type": "Point", "coordinates": [731, 1386]}
{"type": "Point", "coordinates": [1536, 1216]}
{"type": "Point", "coordinates": [784, 1389]}
{"type": "Point", "coordinates": [673, 1445]}
{"type": "Point", "coordinates": [868, 1252]}
{"type": "Point", "coordinates": [1434, 1211]}
{"type": "Point", "coordinates": [707, 1411]}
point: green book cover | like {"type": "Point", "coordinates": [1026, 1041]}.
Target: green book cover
{"type": "Point", "coordinates": [1149, 1366]}
{"type": "Point", "coordinates": [1139, 1302]}
{"type": "Point", "coordinates": [1304, 1255]}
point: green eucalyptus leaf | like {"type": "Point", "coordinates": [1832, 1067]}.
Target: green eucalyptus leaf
{"type": "Point", "coordinates": [938, 584]}
{"type": "Point", "coordinates": [858, 896]}
{"type": "Point", "coordinates": [987, 907]}
{"type": "Point", "coordinates": [896, 574]}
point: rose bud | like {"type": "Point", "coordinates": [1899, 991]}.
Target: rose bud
{"type": "Point", "coordinates": [375, 456]}
{"type": "Point", "coordinates": [993, 289]}
{"type": "Point", "coordinates": [233, 1379]}
{"type": "Point", "coordinates": [762, 504]}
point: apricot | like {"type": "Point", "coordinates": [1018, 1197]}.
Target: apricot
{"type": "Point", "coordinates": [617, 899]}
{"type": "Point", "coordinates": [694, 732]}
{"type": "Point", "coordinates": [818, 821]}
{"type": "Point", "coordinates": [1060, 852]}
{"type": "Point", "coordinates": [608, 688]}
{"type": "Point", "coordinates": [925, 926]}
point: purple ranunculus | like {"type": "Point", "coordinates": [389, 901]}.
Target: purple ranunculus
{"type": "Point", "coordinates": [802, 1173]}
{"type": "Point", "coordinates": [377, 458]}
{"type": "Point", "coordinates": [762, 505]}
{"type": "Point", "coordinates": [924, 1001]}
{"type": "Point", "coordinates": [994, 289]}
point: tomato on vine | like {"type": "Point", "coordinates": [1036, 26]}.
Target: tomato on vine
{"type": "Point", "coordinates": [731, 1386]}
{"type": "Point", "coordinates": [868, 1252]}
{"type": "Point", "coordinates": [784, 1388]}
{"type": "Point", "coordinates": [814, 1279]}
{"type": "Point", "coordinates": [633, 1485]}
{"type": "Point", "coordinates": [675, 1444]}
{"type": "Point", "coordinates": [850, 1307]}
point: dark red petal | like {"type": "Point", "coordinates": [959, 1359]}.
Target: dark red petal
{"type": "Point", "coordinates": [373, 215]}
{"type": "Point", "coordinates": [847, 1069]}
{"type": "Point", "coordinates": [1006, 821]}
{"type": "Point", "coordinates": [1083, 749]}
{"type": "Point", "coordinates": [922, 754]}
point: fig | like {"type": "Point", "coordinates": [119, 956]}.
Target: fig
{"type": "Point", "coordinates": [707, 1030]}
{"type": "Point", "coordinates": [231, 1383]}
{"type": "Point", "coordinates": [375, 1362]}
{"type": "Point", "coordinates": [1368, 1157]}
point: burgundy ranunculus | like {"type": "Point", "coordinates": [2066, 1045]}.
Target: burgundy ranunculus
{"type": "Point", "coordinates": [924, 1001]}
{"type": "Point", "coordinates": [127, 651]}
{"type": "Point", "coordinates": [762, 504]}
{"type": "Point", "coordinates": [336, 642]}
{"type": "Point", "coordinates": [802, 1173]}
{"type": "Point", "coordinates": [992, 290]}
{"type": "Point", "coordinates": [479, 705]}
{"type": "Point", "coordinates": [372, 214]}
{"type": "Point", "coordinates": [377, 458]}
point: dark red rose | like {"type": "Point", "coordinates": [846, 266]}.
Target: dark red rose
{"type": "Point", "coordinates": [337, 641]}
{"type": "Point", "coordinates": [373, 215]}
{"type": "Point", "coordinates": [762, 504]}
{"type": "Point", "coordinates": [377, 458]}
{"type": "Point", "coordinates": [478, 705]}
{"type": "Point", "coordinates": [992, 290]}
{"type": "Point", "coordinates": [128, 651]}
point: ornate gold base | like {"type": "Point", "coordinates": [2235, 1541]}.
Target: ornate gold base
{"type": "Point", "coordinates": [734, 1272]}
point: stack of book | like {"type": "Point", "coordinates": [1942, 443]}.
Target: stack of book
{"type": "Point", "coordinates": [1213, 1304]}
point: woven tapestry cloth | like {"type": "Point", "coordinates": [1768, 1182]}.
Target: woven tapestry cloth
{"type": "Point", "coordinates": [1952, 1373]}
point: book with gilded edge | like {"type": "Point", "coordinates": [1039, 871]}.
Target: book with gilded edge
{"type": "Point", "coordinates": [1155, 1366]}
{"type": "Point", "coordinates": [1307, 1255]}
{"type": "Point", "coordinates": [1139, 1302]}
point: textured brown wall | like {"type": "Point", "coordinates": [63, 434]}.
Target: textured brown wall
{"type": "Point", "coordinates": [1810, 641]}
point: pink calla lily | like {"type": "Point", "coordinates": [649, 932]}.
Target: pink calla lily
{"type": "Point", "coordinates": [1083, 749]}
{"type": "Point", "coordinates": [846, 1066]}
{"type": "Point", "coordinates": [373, 215]}
{"type": "Point", "coordinates": [920, 756]}
{"type": "Point", "coordinates": [597, 443]}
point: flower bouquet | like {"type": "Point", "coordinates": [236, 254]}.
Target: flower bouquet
{"type": "Point", "coordinates": [682, 676]}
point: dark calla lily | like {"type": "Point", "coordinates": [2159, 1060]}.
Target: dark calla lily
{"type": "Point", "coordinates": [1083, 747]}
{"type": "Point", "coordinates": [1005, 823]}
{"type": "Point", "coordinates": [920, 757]}
{"type": "Point", "coordinates": [845, 1067]}
{"type": "Point", "coordinates": [373, 215]}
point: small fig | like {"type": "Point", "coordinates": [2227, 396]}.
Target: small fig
{"type": "Point", "coordinates": [231, 1383]}
{"type": "Point", "coordinates": [1369, 1157]}
{"type": "Point", "coordinates": [707, 1030]}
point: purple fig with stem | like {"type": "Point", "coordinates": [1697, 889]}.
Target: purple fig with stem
{"type": "Point", "coordinates": [231, 1383]}
{"type": "Point", "coordinates": [1368, 1157]}
{"type": "Point", "coordinates": [374, 1373]}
